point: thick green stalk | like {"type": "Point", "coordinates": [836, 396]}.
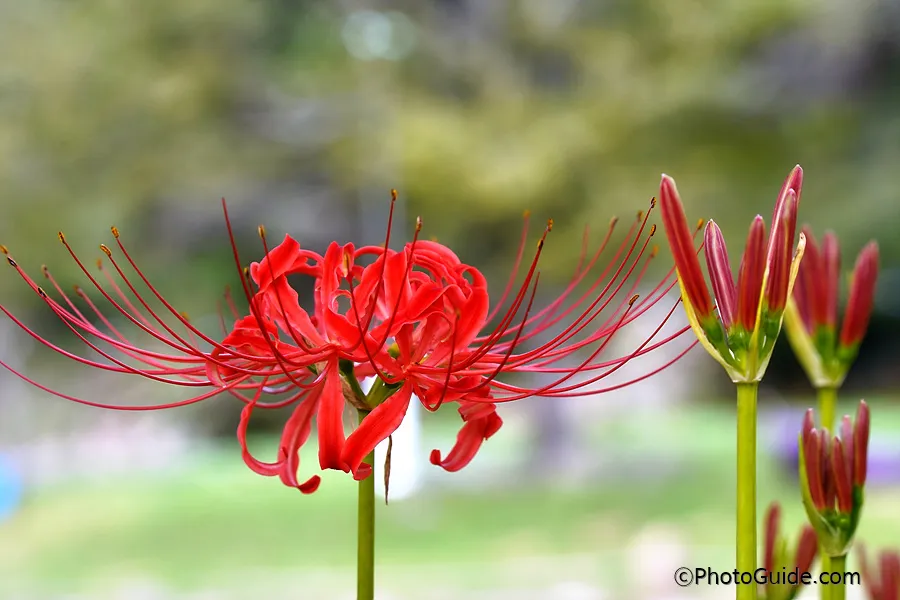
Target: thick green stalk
{"type": "Point", "coordinates": [827, 407]}
{"type": "Point", "coordinates": [746, 486]}
{"type": "Point", "coordinates": [825, 560]}
{"type": "Point", "coordinates": [837, 591]}
{"type": "Point", "coordinates": [365, 549]}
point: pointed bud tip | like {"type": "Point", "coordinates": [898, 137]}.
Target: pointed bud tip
{"type": "Point", "coordinates": [809, 421]}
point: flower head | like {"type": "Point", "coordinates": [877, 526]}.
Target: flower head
{"type": "Point", "coordinates": [418, 319]}
{"type": "Point", "coordinates": [811, 317]}
{"type": "Point", "coordinates": [739, 323]}
{"type": "Point", "coordinates": [882, 582]}
{"type": "Point", "coordinates": [777, 558]}
{"type": "Point", "coordinates": [833, 478]}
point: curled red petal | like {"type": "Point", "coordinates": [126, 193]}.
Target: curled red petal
{"type": "Point", "coordinates": [296, 432]}
{"type": "Point", "coordinates": [376, 427]}
{"type": "Point", "coordinates": [468, 442]}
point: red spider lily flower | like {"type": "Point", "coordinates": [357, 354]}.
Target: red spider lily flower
{"type": "Point", "coordinates": [811, 317]}
{"type": "Point", "coordinates": [418, 319]}
{"type": "Point", "coordinates": [741, 334]}
{"type": "Point", "coordinates": [883, 582]}
{"type": "Point", "coordinates": [833, 478]}
{"type": "Point", "coordinates": [779, 563]}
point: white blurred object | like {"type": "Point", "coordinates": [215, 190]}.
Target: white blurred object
{"type": "Point", "coordinates": [406, 452]}
{"type": "Point", "coordinates": [653, 557]}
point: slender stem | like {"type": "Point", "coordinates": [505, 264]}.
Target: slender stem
{"type": "Point", "coordinates": [825, 591]}
{"type": "Point", "coordinates": [746, 486]}
{"type": "Point", "coordinates": [838, 590]}
{"type": "Point", "coordinates": [827, 406]}
{"type": "Point", "coordinates": [365, 549]}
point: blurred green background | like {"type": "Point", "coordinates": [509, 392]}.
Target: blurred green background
{"type": "Point", "coordinates": [304, 114]}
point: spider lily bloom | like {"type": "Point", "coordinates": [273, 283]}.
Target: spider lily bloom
{"type": "Point", "coordinates": [741, 334]}
{"type": "Point", "coordinates": [811, 318]}
{"type": "Point", "coordinates": [883, 582]}
{"type": "Point", "coordinates": [833, 479]}
{"type": "Point", "coordinates": [418, 319]}
{"type": "Point", "coordinates": [784, 569]}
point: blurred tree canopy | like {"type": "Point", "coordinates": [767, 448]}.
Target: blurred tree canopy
{"type": "Point", "coordinates": [304, 114]}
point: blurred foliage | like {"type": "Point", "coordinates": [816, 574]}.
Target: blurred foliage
{"type": "Point", "coordinates": [144, 114]}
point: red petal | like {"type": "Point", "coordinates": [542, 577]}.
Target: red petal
{"type": "Point", "coordinates": [812, 453]}
{"type": "Point", "coordinates": [831, 268]}
{"type": "Point", "coordinates": [793, 182]}
{"type": "Point", "coordinates": [861, 444]}
{"type": "Point", "coordinates": [296, 432]}
{"type": "Point", "coordinates": [862, 296]}
{"type": "Point", "coordinates": [682, 245]}
{"type": "Point", "coordinates": [468, 441]}
{"type": "Point", "coordinates": [841, 477]}
{"type": "Point", "coordinates": [772, 520]}
{"type": "Point", "coordinates": [257, 466]}
{"type": "Point", "coordinates": [750, 276]}
{"type": "Point", "coordinates": [720, 274]}
{"type": "Point", "coordinates": [376, 427]}
{"type": "Point", "coordinates": [779, 258]}
{"type": "Point", "coordinates": [284, 259]}
{"type": "Point", "coordinates": [806, 549]}
{"type": "Point", "coordinates": [330, 420]}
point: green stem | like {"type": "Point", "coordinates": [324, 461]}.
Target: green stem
{"type": "Point", "coordinates": [825, 590]}
{"type": "Point", "coordinates": [838, 591]}
{"type": "Point", "coordinates": [746, 485]}
{"type": "Point", "coordinates": [827, 406]}
{"type": "Point", "coordinates": [365, 550]}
